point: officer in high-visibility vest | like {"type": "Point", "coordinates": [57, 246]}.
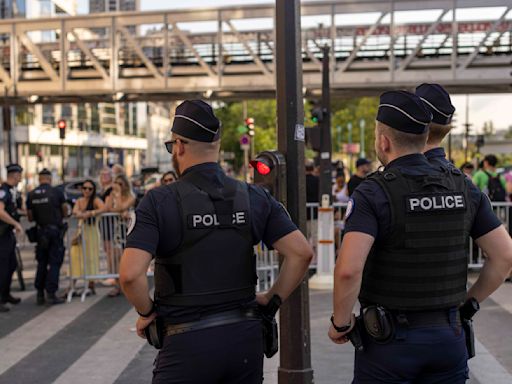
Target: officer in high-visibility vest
{"type": "Point", "coordinates": [201, 231]}
{"type": "Point", "coordinates": [405, 255]}
{"type": "Point", "coordinates": [9, 221]}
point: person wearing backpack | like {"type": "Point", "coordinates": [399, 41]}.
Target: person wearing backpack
{"type": "Point", "coordinates": [489, 181]}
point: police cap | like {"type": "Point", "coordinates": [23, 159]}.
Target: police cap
{"type": "Point", "coordinates": [14, 168]}
{"type": "Point", "coordinates": [195, 120]}
{"type": "Point", "coordinates": [45, 172]}
{"type": "Point", "coordinates": [404, 111]}
{"type": "Point", "coordinates": [438, 102]}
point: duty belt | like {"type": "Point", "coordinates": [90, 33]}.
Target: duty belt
{"type": "Point", "coordinates": [224, 318]}
{"type": "Point", "coordinates": [425, 318]}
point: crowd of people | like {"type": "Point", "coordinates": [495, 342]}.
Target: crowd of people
{"type": "Point", "coordinates": [102, 212]}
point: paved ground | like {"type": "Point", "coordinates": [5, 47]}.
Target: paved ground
{"type": "Point", "coordinates": [94, 342]}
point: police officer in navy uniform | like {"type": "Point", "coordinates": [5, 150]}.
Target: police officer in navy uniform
{"type": "Point", "coordinates": [201, 230]}
{"type": "Point", "coordinates": [47, 207]}
{"type": "Point", "coordinates": [9, 220]}
{"type": "Point", "coordinates": [404, 255]}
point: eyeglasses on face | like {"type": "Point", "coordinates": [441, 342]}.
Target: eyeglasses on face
{"type": "Point", "coordinates": [170, 143]}
{"type": "Point", "coordinates": [87, 188]}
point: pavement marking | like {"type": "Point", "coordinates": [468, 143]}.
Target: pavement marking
{"type": "Point", "coordinates": [98, 364]}
{"type": "Point", "coordinates": [50, 359]}
{"type": "Point", "coordinates": [486, 369]}
{"type": "Point", "coordinates": [35, 332]}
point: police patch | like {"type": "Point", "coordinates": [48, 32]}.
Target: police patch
{"type": "Point", "coordinates": [2, 193]}
{"type": "Point", "coordinates": [449, 201]}
{"type": "Point", "coordinates": [131, 222]}
{"type": "Point", "coordinates": [350, 208]}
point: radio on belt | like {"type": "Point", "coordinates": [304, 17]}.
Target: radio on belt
{"type": "Point", "coordinates": [270, 172]}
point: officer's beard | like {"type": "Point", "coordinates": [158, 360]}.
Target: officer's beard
{"type": "Point", "coordinates": [175, 164]}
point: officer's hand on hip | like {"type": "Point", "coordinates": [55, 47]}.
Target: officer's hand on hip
{"type": "Point", "coordinates": [142, 323]}
{"type": "Point", "coordinates": [262, 299]}
{"type": "Point", "coordinates": [18, 228]}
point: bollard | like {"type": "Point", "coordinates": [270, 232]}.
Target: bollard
{"type": "Point", "coordinates": [323, 279]}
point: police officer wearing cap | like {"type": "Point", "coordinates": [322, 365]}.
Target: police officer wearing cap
{"type": "Point", "coordinates": [404, 256]}
{"type": "Point", "coordinates": [47, 207]}
{"type": "Point", "coordinates": [9, 220]}
{"type": "Point", "coordinates": [201, 231]}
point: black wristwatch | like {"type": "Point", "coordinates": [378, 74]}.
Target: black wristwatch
{"type": "Point", "coordinates": [343, 328]}
{"type": "Point", "coordinates": [151, 311]}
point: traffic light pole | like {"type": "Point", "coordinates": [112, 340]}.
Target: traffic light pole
{"type": "Point", "coordinates": [295, 343]}
{"type": "Point", "coordinates": [325, 125]}
{"type": "Point", "coordinates": [62, 159]}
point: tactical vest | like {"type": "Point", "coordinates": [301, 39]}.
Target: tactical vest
{"type": "Point", "coordinates": [215, 261]}
{"type": "Point", "coordinates": [422, 264]}
{"type": "Point", "coordinates": [10, 208]}
{"type": "Point", "coordinates": [43, 208]}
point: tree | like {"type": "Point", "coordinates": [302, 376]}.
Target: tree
{"type": "Point", "coordinates": [488, 128]}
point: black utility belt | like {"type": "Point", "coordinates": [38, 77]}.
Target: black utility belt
{"type": "Point", "coordinates": [426, 318]}
{"type": "Point", "coordinates": [218, 319]}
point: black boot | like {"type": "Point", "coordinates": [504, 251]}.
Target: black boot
{"type": "Point", "coordinates": [11, 299]}
{"type": "Point", "coordinates": [53, 299]}
{"type": "Point", "coordinates": [40, 298]}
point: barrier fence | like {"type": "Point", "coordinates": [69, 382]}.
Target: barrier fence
{"type": "Point", "coordinates": [94, 247]}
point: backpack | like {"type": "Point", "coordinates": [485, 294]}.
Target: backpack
{"type": "Point", "coordinates": [495, 189]}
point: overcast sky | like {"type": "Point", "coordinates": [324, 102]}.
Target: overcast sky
{"type": "Point", "coordinates": [495, 107]}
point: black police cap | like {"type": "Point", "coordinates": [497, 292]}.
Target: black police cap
{"type": "Point", "coordinates": [45, 172]}
{"type": "Point", "coordinates": [14, 168]}
{"type": "Point", "coordinates": [404, 111]}
{"type": "Point", "coordinates": [438, 102]}
{"type": "Point", "coordinates": [195, 120]}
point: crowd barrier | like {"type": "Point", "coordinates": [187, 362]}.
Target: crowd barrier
{"type": "Point", "coordinates": [94, 247]}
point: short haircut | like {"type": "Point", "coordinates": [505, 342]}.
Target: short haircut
{"type": "Point", "coordinates": [402, 140]}
{"type": "Point", "coordinates": [437, 132]}
{"type": "Point", "coordinates": [492, 160]}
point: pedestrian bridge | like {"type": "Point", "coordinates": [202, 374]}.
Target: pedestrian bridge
{"type": "Point", "coordinates": [230, 52]}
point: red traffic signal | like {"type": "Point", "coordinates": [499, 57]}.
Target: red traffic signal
{"type": "Point", "coordinates": [270, 172]}
{"type": "Point", "coordinates": [61, 124]}
{"type": "Point", "coordinates": [249, 124]}
{"type": "Point", "coordinates": [261, 167]}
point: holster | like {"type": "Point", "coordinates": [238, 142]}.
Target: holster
{"type": "Point", "coordinates": [32, 234]}
{"type": "Point", "coordinates": [467, 325]}
{"type": "Point", "coordinates": [378, 323]}
{"type": "Point", "coordinates": [355, 335]}
{"type": "Point", "coordinates": [269, 325]}
{"type": "Point", "coordinates": [155, 333]}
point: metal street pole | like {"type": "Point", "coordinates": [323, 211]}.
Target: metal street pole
{"type": "Point", "coordinates": [295, 343]}
{"type": "Point", "coordinates": [62, 159]}
{"type": "Point", "coordinates": [362, 124]}
{"type": "Point", "coordinates": [325, 138]}
{"type": "Point", "coordinates": [349, 128]}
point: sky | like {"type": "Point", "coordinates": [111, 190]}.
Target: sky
{"type": "Point", "coordinates": [482, 107]}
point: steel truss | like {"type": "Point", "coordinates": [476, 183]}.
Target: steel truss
{"type": "Point", "coordinates": [159, 55]}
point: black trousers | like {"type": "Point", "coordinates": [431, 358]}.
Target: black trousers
{"type": "Point", "coordinates": [228, 354]}
{"type": "Point", "coordinates": [49, 256]}
{"type": "Point", "coordinates": [8, 262]}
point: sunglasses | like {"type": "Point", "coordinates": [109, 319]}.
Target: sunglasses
{"type": "Point", "coordinates": [170, 143]}
{"type": "Point", "coordinates": [119, 183]}
{"type": "Point", "coordinates": [168, 181]}
{"type": "Point", "coordinates": [87, 188]}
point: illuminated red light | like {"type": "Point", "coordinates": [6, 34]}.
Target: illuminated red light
{"type": "Point", "coordinates": [262, 168]}
{"type": "Point", "coordinates": [62, 124]}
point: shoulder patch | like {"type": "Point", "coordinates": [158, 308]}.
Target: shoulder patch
{"type": "Point", "coordinates": [2, 193]}
{"type": "Point", "coordinates": [131, 222]}
{"type": "Point", "coordinates": [350, 208]}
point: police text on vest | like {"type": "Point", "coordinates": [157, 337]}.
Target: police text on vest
{"type": "Point", "coordinates": [435, 202]}
{"type": "Point", "coordinates": [211, 220]}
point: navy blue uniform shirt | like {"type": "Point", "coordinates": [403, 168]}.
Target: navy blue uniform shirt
{"type": "Point", "coordinates": [8, 197]}
{"type": "Point", "coordinates": [371, 213]}
{"type": "Point", "coordinates": [158, 226]}
{"type": "Point", "coordinates": [57, 198]}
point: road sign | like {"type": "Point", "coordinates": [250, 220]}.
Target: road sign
{"type": "Point", "coordinates": [245, 142]}
{"type": "Point", "coordinates": [352, 148]}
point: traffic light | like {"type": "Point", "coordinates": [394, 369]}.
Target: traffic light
{"type": "Point", "coordinates": [249, 124]}
{"type": "Point", "coordinates": [62, 128]}
{"type": "Point", "coordinates": [317, 114]}
{"type": "Point", "coordinates": [270, 172]}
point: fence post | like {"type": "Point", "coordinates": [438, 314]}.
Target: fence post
{"type": "Point", "coordinates": [323, 279]}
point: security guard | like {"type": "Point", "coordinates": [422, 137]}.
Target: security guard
{"type": "Point", "coordinates": [9, 220]}
{"type": "Point", "coordinates": [404, 255]}
{"type": "Point", "coordinates": [201, 231]}
{"type": "Point", "coordinates": [47, 206]}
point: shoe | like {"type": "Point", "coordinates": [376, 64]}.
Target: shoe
{"type": "Point", "coordinates": [11, 300]}
{"type": "Point", "coordinates": [53, 299]}
{"type": "Point", "coordinates": [114, 292]}
{"type": "Point", "coordinates": [508, 280]}
{"type": "Point", "coordinates": [3, 308]}
{"type": "Point", "coordinates": [40, 298]}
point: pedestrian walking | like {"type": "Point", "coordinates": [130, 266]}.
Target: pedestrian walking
{"type": "Point", "coordinates": [489, 181]}
{"type": "Point", "coordinates": [9, 221]}
{"type": "Point", "coordinates": [404, 255]}
{"type": "Point", "coordinates": [201, 230]}
{"type": "Point", "coordinates": [47, 207]}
